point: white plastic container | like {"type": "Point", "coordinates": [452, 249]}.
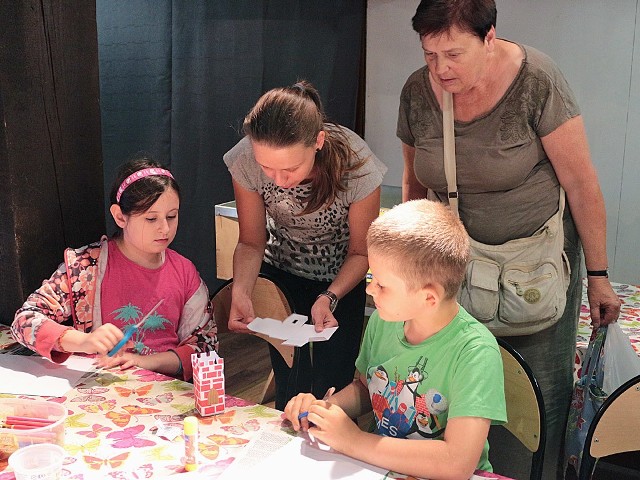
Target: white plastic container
{"type": "Point", "coordinates": [42, 461]}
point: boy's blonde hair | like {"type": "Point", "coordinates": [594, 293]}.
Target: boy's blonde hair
{"type": "Point", "coordinates": [425, 242]}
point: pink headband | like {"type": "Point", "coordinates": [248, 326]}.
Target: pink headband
{"type": "Point", "coordinates": [135, 176]}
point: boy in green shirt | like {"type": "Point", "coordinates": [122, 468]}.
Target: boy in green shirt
{"type": "Point", "coordinates": [427, 368]}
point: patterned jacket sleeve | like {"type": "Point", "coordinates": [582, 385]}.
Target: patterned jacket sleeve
{"type": "Point", "coordinates": [37, 324]}
{"type": "Point", "coordinates": [197, 331]}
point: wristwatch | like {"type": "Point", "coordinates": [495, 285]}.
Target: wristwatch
{"type": "Point", "coordinates": [333, 299]}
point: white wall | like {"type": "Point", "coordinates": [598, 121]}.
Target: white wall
{"type": "Point", "coordinates": [593, 43]}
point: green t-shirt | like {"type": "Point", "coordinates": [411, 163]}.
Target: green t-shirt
{"type": "Point", "coordinates": [414, 389]}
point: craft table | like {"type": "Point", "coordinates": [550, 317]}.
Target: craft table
{"type": "Point", "coordinates": [111, 430]}
{"type": "Point", "coordinates": [629, 319]}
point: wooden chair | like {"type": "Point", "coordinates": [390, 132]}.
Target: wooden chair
{"type": "Point", "coordinates": [614, 429]}
{"type": "Point", "coordinates": [269, 301]}
{"type": "Point", "coordinates": [525, 406]}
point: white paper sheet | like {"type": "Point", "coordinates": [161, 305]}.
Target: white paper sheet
{"type": "Point", "coordinates": [36, 375]}
{"type": "Point", "coordinates": [293, 330]}
{"type": "Point", "coordinates": [299, 458]}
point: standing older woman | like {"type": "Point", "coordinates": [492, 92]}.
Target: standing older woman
{"type": "Point", "coordinates": [519, 136]}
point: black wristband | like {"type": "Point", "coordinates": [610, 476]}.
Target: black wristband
{"type": "Point", "coordinates": [598, 273]}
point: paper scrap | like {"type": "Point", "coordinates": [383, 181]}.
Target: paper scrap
{"type": "Point", "coordinates": [36, 375]}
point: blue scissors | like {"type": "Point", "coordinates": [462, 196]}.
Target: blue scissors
{"type": "Point", "coordinates": [131, 329]}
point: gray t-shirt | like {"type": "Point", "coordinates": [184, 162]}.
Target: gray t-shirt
{"type": "Point", "coordinates": [314, 245]}
{"type": "Point", "coordinates": [506, 183]}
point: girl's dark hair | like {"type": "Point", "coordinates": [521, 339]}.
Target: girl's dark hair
{"type": "Point", "coordinates": [434, 17]}
{"type": "Point", "coordinates": [141, 194]}
{"type": "Point", "coordinates": [293, 115]}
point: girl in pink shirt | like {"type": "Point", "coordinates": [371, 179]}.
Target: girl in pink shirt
{"type": "Point", "coordinates": [102, 288]}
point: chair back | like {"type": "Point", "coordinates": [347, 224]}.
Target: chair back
{"type": "Point", "coordinates": [525, 406]}
{"type": "Point", "coordinates": [615, 428]}
{"type": "Point", "coordinates": [269, 301]}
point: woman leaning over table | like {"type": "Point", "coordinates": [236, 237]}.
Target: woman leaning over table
{"type": "Point", "coordinates": [519, 135]}
{"type": "Point", "coordinates": [306, 191]}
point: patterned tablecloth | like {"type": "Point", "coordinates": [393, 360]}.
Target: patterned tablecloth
{"type": "Point", "coordinates": [629, 319]}
{"type": "Point", "coordinates": [128, 425]}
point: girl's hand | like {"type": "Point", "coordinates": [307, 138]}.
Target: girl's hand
{"type": "Point", "coordinates": [122, 359]}
{"type": "Point", "coordinates": [295, 407]}
{"type": "Point", "coordinates": [321, 314]}
{"type": "Point", "coordinates": [240, 314]}
{"type": "Point", "coordinates": [333, 427]}
{"type": "Point", "coordinates": [100, 341]}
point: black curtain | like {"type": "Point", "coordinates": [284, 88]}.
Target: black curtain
{"type": "Point", "coordinates": [51, 194]}
{"type": "Point", "coordinates": [177, 78]}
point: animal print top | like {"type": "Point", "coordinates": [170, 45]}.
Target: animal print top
{"type": "Point", "coordinates": [314, 245]}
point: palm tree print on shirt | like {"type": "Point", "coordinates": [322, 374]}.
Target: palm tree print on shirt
{"type": "Point", "coordinates": [130, 315]}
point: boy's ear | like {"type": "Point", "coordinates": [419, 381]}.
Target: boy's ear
{"type": "Point", "coordinates": [432, 294]}
{"type": "Point", "coordinates": [117, 215]}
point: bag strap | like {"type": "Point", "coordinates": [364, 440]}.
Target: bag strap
{"type": "Point", "coordinates": [448, 135]}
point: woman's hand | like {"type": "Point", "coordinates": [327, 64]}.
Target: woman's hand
{"type": "Point", "coordinates": [321, 314]}
{"type": "Point", "coordinates": [603, 302]}
{"type": "Point", "coordinates": [240, 314]}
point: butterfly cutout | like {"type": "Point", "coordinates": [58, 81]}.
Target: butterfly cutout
{"type": "Point", "coordinates": [248, 426]}
{"type": "Point", "coordinates": [128, 438]}
{"type": "Point", "coordinates": [96, 430]}
{"type": "Point", "coordinates": [177, 386]}
{"type": "Point", "coordinates": [163, 398]}
{"type": "Point", "coordinates": [66, 474]}
{"type": "Point", "coordinates": [96, 463]}
{"type": "Point", "coordinates": [149, 376]}
{"type": "Point", "coordinates": [91, 447]}
{"type": "Point", "coordinates": [157, 454]}
{"type": "Point", "coordinates": [261, 411]}
{"type": "Point", "coordinates": [236, 402]}
{"type": "Point", "coordinates": [226, 441]}
{"type": "Point", "coordinates": [143, 471]}
{"type": "Point", "coordinates": [138, 410]}
{"type": "Point", "coordinates": [106, 379]}
{"type": "Point", "coordinates": [209, 450]}
{"type": "Point", "coordinates": [92, 390]}
{"type": "Point", "coordinates": [74, 421]}
{"type": "Point", "coordinates": [119, 419]}
{"type": "Point", "coordinates": [122, 419]}
{"type": "Point", "coordinates": [99, 407]}
{"type": "Point", "coordinates": [125, 392]}
{"type": "Point", "coordinates": [169, 418]}
{"type": "Point", "coordinates": [226, 417]}
{"type": "Point", "coordinates": [89, 398]}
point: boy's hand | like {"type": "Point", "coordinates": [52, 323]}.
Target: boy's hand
{"type": "Point", "coordinates": [333, 427]}
{"type": "Point", "coordinates": [297, 410]}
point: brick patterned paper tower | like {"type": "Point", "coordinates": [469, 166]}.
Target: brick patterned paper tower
{"type": "Point", "coordinates": [208, 382]}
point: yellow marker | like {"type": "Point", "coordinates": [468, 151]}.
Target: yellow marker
{"type": "Point", "coordinates": [190, 430]}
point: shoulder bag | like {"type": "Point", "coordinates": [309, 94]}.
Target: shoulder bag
{"type": "Point", "coordinates": [518, 287]}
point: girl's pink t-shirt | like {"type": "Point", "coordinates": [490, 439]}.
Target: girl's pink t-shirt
{"type": "Point", "coordinates": [129, 291]}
